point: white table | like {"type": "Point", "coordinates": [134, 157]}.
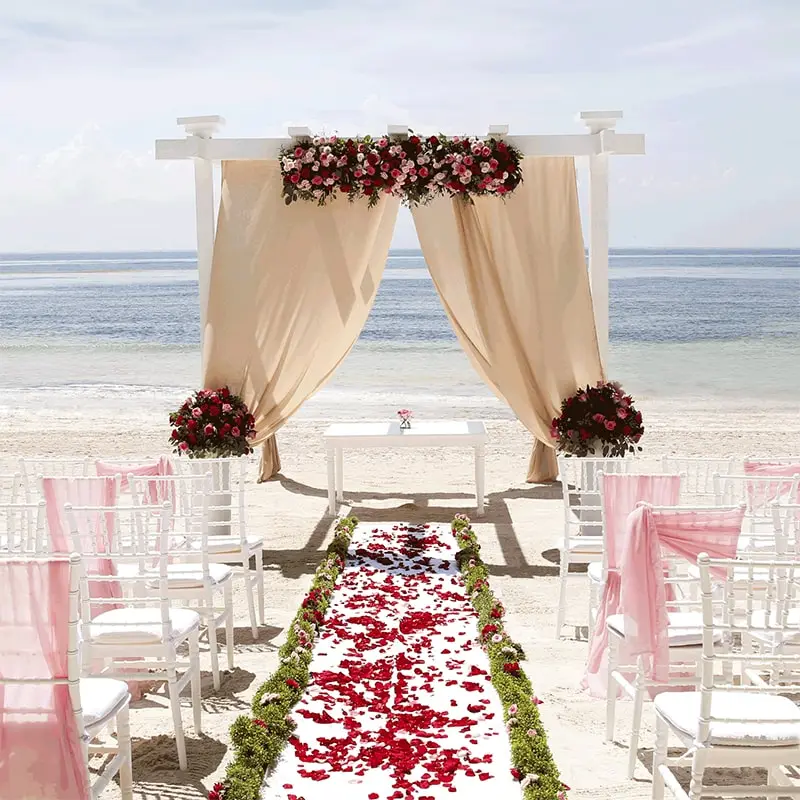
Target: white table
{"type": "Point", "coordinates": [362, 435]}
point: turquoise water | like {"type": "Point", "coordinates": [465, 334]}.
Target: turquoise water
{"type": "Point", "coordinates": [85, 328]}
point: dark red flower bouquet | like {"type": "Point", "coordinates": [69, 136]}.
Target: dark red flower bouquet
{"type": "Point", "coordinates": [212, 424]}
{"type": "Point", "coordinates": [598, 420]}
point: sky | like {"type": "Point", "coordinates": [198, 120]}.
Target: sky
{"type": "Point", "coordinates": [86, 86]}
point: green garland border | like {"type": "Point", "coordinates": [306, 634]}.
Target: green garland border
{"type": "Point", "coordinates": [533, 763]}
{"type": "Point", "coordinates": [259, 740]}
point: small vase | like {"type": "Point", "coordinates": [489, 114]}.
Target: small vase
{"type": "Point", "coordinates": [405, 424]}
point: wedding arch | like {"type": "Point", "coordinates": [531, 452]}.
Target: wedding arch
{"type": "Point", "coordinates": [286, 287]}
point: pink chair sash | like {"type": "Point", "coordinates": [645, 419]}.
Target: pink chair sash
{"type": "Point", "coordinates": [40, 752]}
{"type": "Point", "coordinates": [643, 591]}
{"type": "Point", "coordinates": [83, 492]}
{"type": "Point", "coordinates": [621, 494]}
{"type": "Point", "coordinates": [772, 491]}
{"type": "Point", "coordinates": [161, 467]}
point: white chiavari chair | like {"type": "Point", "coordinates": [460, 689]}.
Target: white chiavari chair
{"type": "Point", "coordinates": [11, 488]}
{"type": "Point", "coordinates": [192, 576]}
{"type": "Point", "coordinates": [22, 528]}
{"type": "Point", "coordinates": [33, 469]}
{"type": "Point", "coordinates": [727, 724]}
{"type": "Point", "coordinates": [97, 704]}
{"type": "Point", "coordinates": [699, 487]}
{"type": "Point", "coordinates": [230, 540]}
{"type": "Point", "coordinates": [134, 634]}
{"type": "Point", "coordinates": [685, 634]}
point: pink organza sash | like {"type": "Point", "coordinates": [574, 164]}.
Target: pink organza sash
{"type": "Point", "coordinates": [161, 467]}
{"type": "Point", "coordinates": [621, 494]}
{"type": "Point", "coordinates": [83, 492]}
{"type": "Point", "coordinates": [40, 752]}
{"type": "Point", "coordinates": [643, 592]}
{"type": "Point", "coordinates": [772, 490]}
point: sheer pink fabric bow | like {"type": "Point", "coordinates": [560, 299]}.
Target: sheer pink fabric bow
{"type": "Point", "coordinates": [643, 591]}
{"type": "Point", "coordinates": [161, 467]}
{"type": "Point", "coordinates": [40, 752]}
{"type": "Point", "coordinates": [84, 492]}
{"type": "Point", "coordinates": [621, 494]}
{"type": "Point", "coordinates": [774, 490]}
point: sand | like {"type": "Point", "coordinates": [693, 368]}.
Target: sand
{"type": "Point", "coordinates": [517, 535]}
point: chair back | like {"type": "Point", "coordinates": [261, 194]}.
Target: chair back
{"type": "Point", "coordinates": [227, 502]}
{"type": "Point", "coordinates": [786, 525]}
{"type": "Point", "coordinates": [620, 493]}
{"type": "Point", "coordinates": [757, 492]}
{"type": "Point", "coordinates": [123, 467]}
{"type": "Point", "coordinates": [131, 577]}
{"type": "Point", "coordinates": [699, 471]}
{"type": "Point", "coordinates": [33, 469]}
{"type": "Point", "coordinates": [43, 750]}
{"type": "Point", "coordinates": [22, 528]}
{"type": "Point", "coordinates": [754, 608]}
{"type": "Point", "coordinates": [11, 488]}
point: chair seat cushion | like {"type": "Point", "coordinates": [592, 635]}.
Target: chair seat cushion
{"type": "Point", "coordinates": [685, 628]}
{"type": "Point", "coordinates": [682, 711]}
{"type": "Point", "coordinates": [595, 571]}
{"type": "Point", "coordinates": [190, 576]}
{"type": "Point", "coordinates": [101, 698]}
{"type": "Point", "coordinates": [231, 544]}
{"type": "Point", "coordinates": [140, 625]}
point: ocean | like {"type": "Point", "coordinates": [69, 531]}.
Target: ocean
{"type": "Point", "coordinates": [102, 332]}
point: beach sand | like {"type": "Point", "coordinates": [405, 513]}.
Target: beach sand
{"type": "Point", "coordinates": [517, 535]}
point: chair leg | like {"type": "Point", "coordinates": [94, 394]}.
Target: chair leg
{"type": "Point", "coordinates": [562, 593]}
{"type": "Point", "coordinates": [194, 666]}
{"type": "Point", "coordinates": [696, 783]}
{"type": "Point", "coordinates": [611, 687]}
{"type": "Point", "coordinates": [213, 647]}
{"type": "Point", "coordinates": [660, 757]}
{"type": "Point", "coordinates": [251, 607]}
{"type": "Point", "coordinates": [175, 705]}
{"type": "Point", "coordinates": [259, 556]}
{"type": "Point", "coordinates": [124, 745]}
{"type": "Point", "coordinates": [229, 622]}
{"type": "Point", "coordinates": [638, 702]}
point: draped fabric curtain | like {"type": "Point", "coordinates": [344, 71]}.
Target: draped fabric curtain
{"type": "Point", "coordinates": [291, 288]}
{"type": "Point", "coordinates": [513, 280]}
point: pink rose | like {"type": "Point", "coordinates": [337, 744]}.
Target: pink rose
{"type": "Point", "coordinates": [423, 172]}
{"type": "Point", "coordinates": [610, 424]}
{"type": "Point", "coordinates": [487, 151]}
{"type": "Point", "coordinates": [196, 412]}
{"type": "Point", "coordinates": [622, 413]}
{"type": "Point", "coordinates": [227, 408]}
{"type": "Point", "coordinates": [208, 430]}
{"type": "Point", "coordinates": [316, 180]}
{"type": "Point", "coordinates": [235, 431]}
{"type": "Point", "coordinates": [183, 446]}
{"type": "Point", "coordinates": [598, 418]}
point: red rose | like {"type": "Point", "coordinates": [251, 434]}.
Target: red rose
{"type": "Point", "coordinates": [344, 187]}
{"type": "Point", "coordinates": [191, 424]}
{"type": "Point", "coordinates": [373, 159]}
{"type": "Point", "coordinates": [433, 140]}
{"type": "Point", "coordinates": [174, 434]}
{"type": "Point", "coordinates": [512, 668]}
{"type": "Point", "coordinates": [627, 430]}
{"type": "Point", "coordinates": [214, 411]}
{"type": "Point", "coordinates": [260, 723]}
{"type": "Point", "coordinates": [516, 774]}
{"type": "Point", "coordinates": [292, 683]}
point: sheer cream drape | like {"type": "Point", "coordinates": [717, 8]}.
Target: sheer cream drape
{"type": "Point", "coordinates": [512, 277]}
{"type": "Point", "coordinates": [291, 288]}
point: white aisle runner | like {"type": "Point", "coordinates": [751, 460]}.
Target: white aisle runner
{"type": "Point", "coordinates": [400, 706]}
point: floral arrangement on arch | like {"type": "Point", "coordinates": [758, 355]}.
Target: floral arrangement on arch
{"type": "Point", "coordinates": [414, 168]}
{"type": "Point", "coordinates": [598, 419]}
{"type": "Point", "coordinates": [212, 424]}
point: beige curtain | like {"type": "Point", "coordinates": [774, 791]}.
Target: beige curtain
{"type": "Point", "coordinates": [512, 276]}
{"type": "Point", "coordinates": [291, 288]}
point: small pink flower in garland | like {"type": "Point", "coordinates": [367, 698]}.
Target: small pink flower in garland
{"type": "Point", "coordinates": [415, 169]}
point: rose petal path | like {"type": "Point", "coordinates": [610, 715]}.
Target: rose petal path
{"type": "Point", "coordinates": [400, 705]}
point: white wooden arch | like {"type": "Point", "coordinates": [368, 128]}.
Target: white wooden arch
{"type": "Point", "coordinates": [601, 141]}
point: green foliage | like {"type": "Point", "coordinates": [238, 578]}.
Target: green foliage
{"type": "Point", "coordinates": [259, 740]}
{"type": "Point", "coordinates": [530, 753]}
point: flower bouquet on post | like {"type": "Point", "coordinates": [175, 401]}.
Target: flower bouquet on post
{"type": "Point", "coordinates": [405, 415]}
{"type": "Point", "coordinates": [599, 420]}
{"type": "Point", "coordinates": [212, 424]}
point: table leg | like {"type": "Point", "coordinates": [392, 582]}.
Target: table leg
{"type": "Point", "coordinates": [339, 475]}
{"type": "Point", "coordinates": [480, 477]}
{"type": "Point", "coordinates": [331, 481]}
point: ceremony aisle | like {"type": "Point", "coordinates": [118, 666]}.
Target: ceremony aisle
{"type": "Point", "coordinates": [400, 702]}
